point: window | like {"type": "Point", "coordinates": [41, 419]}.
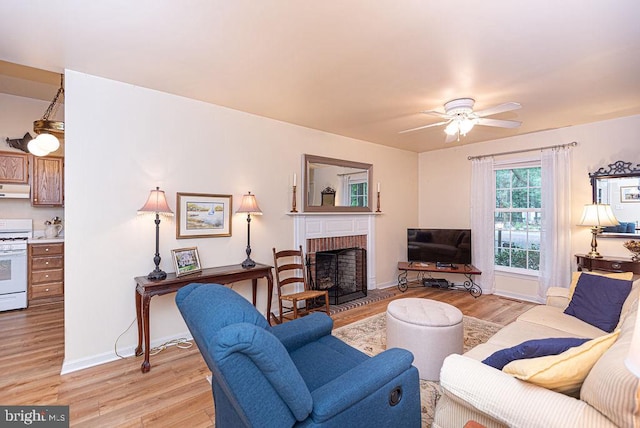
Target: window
{"type": "Point", "coordinates": [358, 194]}
{"type": "Point", "coordinates": [517, 219]}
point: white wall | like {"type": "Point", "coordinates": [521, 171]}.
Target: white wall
{"type": "Point", "coordinates": [16, 119]}
{"type": "Point", "coordinates": [599, 144]}
{"type": "Point", "coordinates": [123, 140]}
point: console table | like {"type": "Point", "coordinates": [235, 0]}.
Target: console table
{"type": "Point", "coordinates": [146, 289]}
{"type": "Point", "coordinates": [608, 264]}
{"type": "Point", "coordinates": [426, 269]}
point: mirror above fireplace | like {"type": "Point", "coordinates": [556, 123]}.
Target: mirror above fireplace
{"type": "Point", "coordinates": [336, 185]}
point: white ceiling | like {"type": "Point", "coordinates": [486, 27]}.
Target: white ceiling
{"type": "Point", "coordinates": [359, 68]}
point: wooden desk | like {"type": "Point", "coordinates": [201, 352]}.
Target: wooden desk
{"type": "Point", "coordinates": [607, 264]}
{"type": "Point", "coordinates": [146, 289]}
{"type": "Point", "coordinates": [426, 269]}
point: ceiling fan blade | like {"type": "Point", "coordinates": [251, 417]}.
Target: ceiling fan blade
{"type": "Point", "coordinates": [423, 127]}
{"type": "Point", "coordinates": [501, 108]}
{"type": "Point", "coordinates": [451, 138]}
{"type": "Point", "coordinates": [498, 123]}
{"type": "Point", "coordinates": [436, 113]}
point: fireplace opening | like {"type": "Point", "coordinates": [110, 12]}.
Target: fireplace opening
{"type": "Point", "coordinates": [343, 273]}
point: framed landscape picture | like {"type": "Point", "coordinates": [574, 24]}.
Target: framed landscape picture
{"type": "Point", "coordinates": [201, 215]}
{"type": "Point", "coordinates": [186, 261]}
{"type": "Point", "coordinates": [630, 193]}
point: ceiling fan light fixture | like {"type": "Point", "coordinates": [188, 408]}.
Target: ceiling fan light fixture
{"type": "Point", "coordinates": [460, 118]}
{"type": "Point", "coordinates": [466, 125]}
{"type": "Point", "coordinates": [452, 128]}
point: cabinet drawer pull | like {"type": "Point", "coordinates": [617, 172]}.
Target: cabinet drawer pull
{"type": "Point", "coordinates": [46, 289]}
{"type": "Point", "coordinates": [46, 249]}
{"type": "Point", "coordinates": [46, 276]}
{"type": "Point", "coordinates": [616, 265]}
{"type": "Point", "coordinates": [46, 263]}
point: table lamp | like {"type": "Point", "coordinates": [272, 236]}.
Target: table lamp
{"type": "Point", "coordinates": [250, 206]}
{"type": "Point", "coordinates": [597, 216]}
{"type": "Point", "coordinates": [157, 203]}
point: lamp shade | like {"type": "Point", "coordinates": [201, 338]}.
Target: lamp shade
{"type": "Point", "coordinates": [157, 203]}
{"type": "Point", "coordinates": [249, 205]}
{"type": "Point", "coordinates": [598, 215]}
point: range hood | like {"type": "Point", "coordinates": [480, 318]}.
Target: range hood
{"type": "Point", "coordinates": [16, 191]}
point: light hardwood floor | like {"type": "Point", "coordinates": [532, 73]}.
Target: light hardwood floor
{"type": "Point", "coordinates": [175, 392]}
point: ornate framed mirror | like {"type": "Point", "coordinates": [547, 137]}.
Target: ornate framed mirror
{"type": "Point", "coordinates": [618, 185]}
{"type": "Point", "coordinates": [336, 185]}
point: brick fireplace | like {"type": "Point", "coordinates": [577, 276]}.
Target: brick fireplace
{"type": "Point", "coordinates": [342, 272]}
{"type": "Point", "coordinates": [334, 231]}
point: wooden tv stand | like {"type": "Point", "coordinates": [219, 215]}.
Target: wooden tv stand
{"type": "Point", "coordinates": [426, 269]}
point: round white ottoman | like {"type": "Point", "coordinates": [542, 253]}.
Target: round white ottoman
{"type": "Point", "coordinates": [431, 330]}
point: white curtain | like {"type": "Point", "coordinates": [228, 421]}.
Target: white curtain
{"type": "Point", "coordinates": [345, 191]}
{"type": "Point", "coordinates": [483, 200]}
{"type": "Point", "coordinates": [555, 237]}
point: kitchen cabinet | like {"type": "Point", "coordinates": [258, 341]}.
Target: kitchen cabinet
{"type": "Point", "coordinates": [47, 181]}
{"type": "Point", "coordinates": [14, 168]}
{"type": "Point", "coordinates": [46, 272]}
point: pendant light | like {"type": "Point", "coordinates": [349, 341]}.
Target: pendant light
{"type": "Point", "coordinates": [48, 130]}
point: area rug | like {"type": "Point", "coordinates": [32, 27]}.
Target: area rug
{"type": "Point", "coordinates": [369, 336]}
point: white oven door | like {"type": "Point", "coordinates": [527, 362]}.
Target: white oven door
{"type": "Point", "coordinates": [13, 271]}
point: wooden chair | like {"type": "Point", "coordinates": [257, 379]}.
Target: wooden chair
{"type": "Point", "coordinates": [291, 271]}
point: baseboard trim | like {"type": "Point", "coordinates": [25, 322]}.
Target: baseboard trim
{"type": "Point", "coordinates": [107, 357]}
{"type": "Point", "coordinates": [516, 296]}
{"type": "Point", "coordinates": [129, 351]}
{"type": "Point", "coordinates": [386, 285]}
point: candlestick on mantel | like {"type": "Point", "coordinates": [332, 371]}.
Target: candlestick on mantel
{"type": "Point", "coordinates": [293, 203]}
{"type": "Point", "coordinates": [294, 179]}
{"type": "Point", "coordinates": [378, 210]}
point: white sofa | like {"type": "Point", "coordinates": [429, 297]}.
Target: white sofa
{"type": "Point", "coordinates": [609, 396]}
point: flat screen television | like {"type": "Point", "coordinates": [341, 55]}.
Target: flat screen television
{"type": "Point", "coordinates": [439, 245]}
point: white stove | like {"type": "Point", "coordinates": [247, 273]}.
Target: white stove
{"type": "Point", "coordinates": [14, 234]}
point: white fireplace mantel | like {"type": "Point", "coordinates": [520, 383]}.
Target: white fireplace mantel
{"type": "Point", "coordinates": [330, 225]}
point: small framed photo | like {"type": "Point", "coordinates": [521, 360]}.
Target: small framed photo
{"type": "Point", "coordinates": [186, 261]}
{"type": "Point", "coordinates": [200, 215]}
{"type": "Point", "coordinates": [630, 193]}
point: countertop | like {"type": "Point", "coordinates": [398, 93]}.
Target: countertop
{"type": "Point", "coordinates": [43, 240]}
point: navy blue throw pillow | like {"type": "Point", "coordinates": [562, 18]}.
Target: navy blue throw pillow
{"type": "Point", "coordinates": [532, 349]}
{"type": "Point", "coordinates": [598, 300]}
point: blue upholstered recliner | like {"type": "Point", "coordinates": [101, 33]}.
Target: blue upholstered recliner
{"type": "Point", "coordinates": [294, 374]}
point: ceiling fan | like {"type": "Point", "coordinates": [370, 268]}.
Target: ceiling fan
{"type": "Point", "coordinates": [460, 117]}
